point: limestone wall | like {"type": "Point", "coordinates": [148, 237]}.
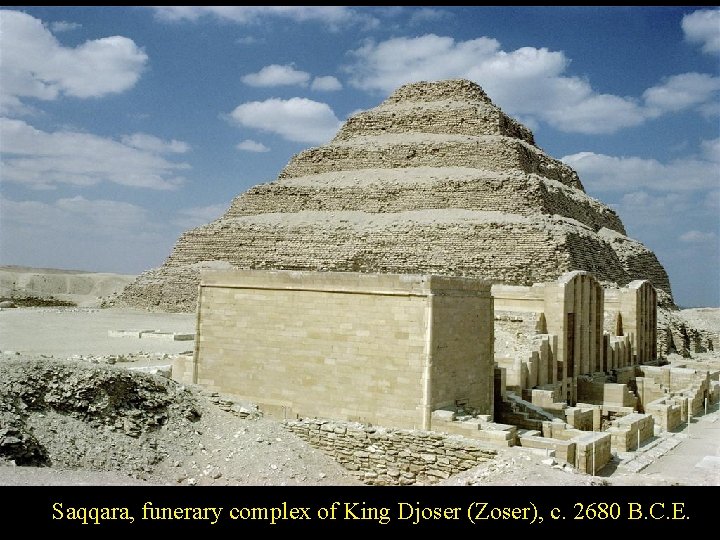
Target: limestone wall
{"type": "Point", "coordinates": [592, 452]}
{"type": "Point", "coordinates": [624, 431]}
{"type": "Point", "coordinates": [587, 451]}
{"type": "Point", "coordinates": [570, 344]}
{"type": "Point", "coordinates": [444, 116]}
{"type": "Point", "coordinates": [666, 413]}
{"type": "Point", "coordinates": [634, 308]}
{"type": "Point", "coordinates": [462, 342]}
{"type": "Point", "coordinates": [488, 152]}
{"type": "Point", "coordinates": [380, 191]}
{"type": "Point", "coordinates": [383, 456]}
{"type": "Point", "coordinates": [381, 349]}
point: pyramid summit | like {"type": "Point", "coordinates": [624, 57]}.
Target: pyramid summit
{"type": "Point", "coordinates": [436, 180]}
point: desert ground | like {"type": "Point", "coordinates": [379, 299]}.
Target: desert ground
{"type": "Point", "coordinates": [219, 443]}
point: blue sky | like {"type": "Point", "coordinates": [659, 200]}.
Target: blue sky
{"type": "Point", "coordinates": [124, 126]}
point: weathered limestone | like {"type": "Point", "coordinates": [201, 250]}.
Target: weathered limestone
{"type": "Point", "coordinates": [435, 180]}
{"type": "Point", "coordinates": [382, 456]}
{"type": "Point", "coordinates": [592, 452]}
{"type": "Point", "coordinates": [633, 310]}
{"type": "Point", "coordinates": [665, 412]}
{"type": "Point", "coordinates": [588, 451]}
{"type": "Point", "coordinates": [571, 312]}
{"type": "Point", "coordinates": [374, 348]}
{"type": "Point", "coordinates": [627, 432]}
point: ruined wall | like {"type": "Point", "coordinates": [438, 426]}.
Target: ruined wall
{"type": "Point", "coordinates": [486, 152]}
{"type": "Point", "coordinates": [666, 413]}
{"type": "Point", "coordinates": [576, 311]}
{"type": "Point", "coordinates": [379, 191]}
{"type": "Point", "coordinates": [634, 312]}
{"type": "Point", "coordinates": [357, 347]}
{"type": "Point", "coordinates": [573, 311]}
{"type": "Point", "coordinates": [627, 431]}
{"type": "Point", "coordinates": [383, 456]}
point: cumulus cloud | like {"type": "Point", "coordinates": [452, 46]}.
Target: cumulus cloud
{"type": "Point", "coordinates": [295, 119]}
{"type": "Point", "coordinates": [528, 82]}
{"type": "Point", "coordinates": [697, 237]}
{"type": "Point", "coordinates": [703, 27]}
{"type": "Point", "coordinates": [601, 172]}
{"type": "Point", "coordinates": [681, 92]}
{"type": "Point", "coordinates": [648, 212]}
{"type": "Point", "coordinates": [277, 75]}
{"type": "Point", "coordinates": [35, 65]}
{"type": "Point", "coordinates": [334, 17]}
{"type": "Point", "coordinates": [64, 26]}
{"type": "Point", "coordinates": [42, 160]}
{"type": "Point", "coordinates": [327, 83]}
{"type": "Point", "coordinates": [249, 145]}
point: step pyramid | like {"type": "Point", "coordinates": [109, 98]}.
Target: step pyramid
{"type": "Point", "coordinates": [436, 179]}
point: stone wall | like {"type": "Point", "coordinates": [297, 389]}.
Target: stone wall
{"type": "Point", "coordinates": [382, 349]}
{"type": "Point", "coordinates": [628, 431]}
{"type": "Point", "coordinates": [592, 452]}
{"type": "Point", "coordinates": [383, 456]}
{"type": "Point", "coordinates": [487, 152]}
{"type": "Point", "coordinates": [438, 117]}
{"type": "Point", "coordinates": [635, 310]}
{"type": "Point", "coordinates": [379, 192]}
{"type": "Point", "coordinates": [666, 413]}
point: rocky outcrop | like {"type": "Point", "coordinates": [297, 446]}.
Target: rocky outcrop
{"type": "Point", "coordinates": [436, 179]}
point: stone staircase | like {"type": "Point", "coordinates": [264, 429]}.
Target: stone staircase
{"type": "Point", "coordinates": [519, 412]}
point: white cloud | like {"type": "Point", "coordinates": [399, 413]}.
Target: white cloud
{"type": "Point", "coordinates": [703, 26]}
{"type": "Point", "coordinates": [295, 119]}
{"type": "Point", "coordinates": [35, 65]}
{"type": "Point", "coordinates": [644, 211]}
{"type": "Point", "coordinates": [327, 83]}
{"type": "Point", "coordinates": [42, 160]}
{"type": "Point", "coordinates": [143, 141]}
{"type": "Point", "coordinates": [190, 218]}
{"type": "Point", "coordinates": [287, 75]}
{"type": "Point", "coordinates": [249, 145]}
{"type": "Point", "coordinates": [527, 82]}
{"type": "Point", "coordinates": [600, 172]}
{"type": "Point", "coordinates": [64, 26]}
{"type": "Point", "coordinates": [335, 17]}
{"type": "Point", "coordinates": [681, 92]}
{"type": "Point", "coordinates": [426, 14]}
{"type": "Point", "coordinates": [277, 75]}
{"type": "Point", "coordinates": [697, 237]}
